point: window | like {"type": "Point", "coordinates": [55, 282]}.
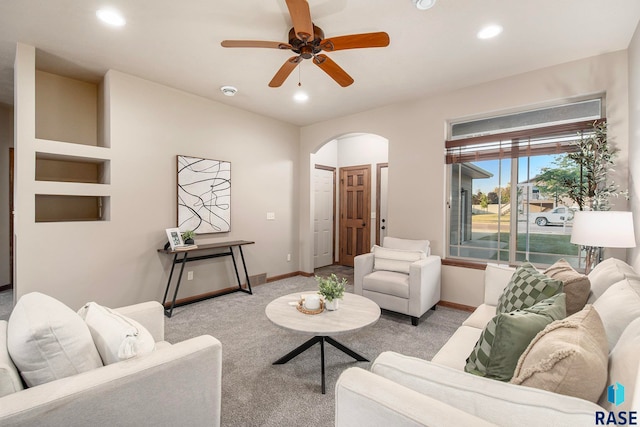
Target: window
{"type": "Point", "coordinates": [504, 203]}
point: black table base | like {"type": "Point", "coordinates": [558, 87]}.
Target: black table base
{"type": "Point", "coordinates": [320, 339]}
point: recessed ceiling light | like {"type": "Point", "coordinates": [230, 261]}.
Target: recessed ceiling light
{"type": "Point", "coordinates": [111, 17]}
{"type": "Point", "coordinates": [300, 96]}
{"type": "Point", "coordinates": [228, 90]}
{"type": "Point", "coordinates": [424, 4]}
{"type": "Point", "coordinates": [489, 31]}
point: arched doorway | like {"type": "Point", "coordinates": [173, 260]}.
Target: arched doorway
{"type": "Point", "coordinates": [348, 175]}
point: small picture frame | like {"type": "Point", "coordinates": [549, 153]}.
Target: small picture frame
{"type": "Point", "coordinates": [175, 238]}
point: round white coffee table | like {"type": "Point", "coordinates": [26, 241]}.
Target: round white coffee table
{"type": "Point", "coordinates": [355, 312]}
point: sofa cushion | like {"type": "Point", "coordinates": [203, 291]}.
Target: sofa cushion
{"type": "Point", "coordinates": [608, 272]}
{"type": "Point", "coordinates": [507, 335]}
{"type": "Point", "coordinates": [527, 287]}
{"type": "Point", "coordinates": [116, 336]}
{"type": "Point", "coordinates": [387, 282]}
{"type": "Point", "coordinates": [395, 259]}
{"type": "Point", "coordinates": [47, 340]}
{"type": "Point", "coordinates": [623, 367]}
{"type": "Point", "coordinates": [575, 285]}
{"type": "Point", "coordinates": [568, 357]}
{"type": "Point", "coordinates": [618, 306]}
{"type": "Point", "coordinates": [481, 316]}
{"type": "Point", "coordinates": [10, 381]}
{"type": "Point", "coordinates": [455, 351]}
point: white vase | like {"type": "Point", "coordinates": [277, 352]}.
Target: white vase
{"type": "Point", "coordinates": [331, 305]}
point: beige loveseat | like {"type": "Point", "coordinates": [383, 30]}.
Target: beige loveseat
{"type": "Point", "coordinates": [173, 385]}
{"type": "Point", "coordinates": [406, 391]}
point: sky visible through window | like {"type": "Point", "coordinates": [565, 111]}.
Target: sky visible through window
{"type": "Point", "coordinates": [489, 184]}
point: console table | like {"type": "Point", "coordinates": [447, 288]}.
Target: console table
{"type": "Point", "coordinates": [196, 254]}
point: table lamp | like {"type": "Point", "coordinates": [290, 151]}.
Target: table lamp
{"type": "Point", "coordinates": [602, 229]}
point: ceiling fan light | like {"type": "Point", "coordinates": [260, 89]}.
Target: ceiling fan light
{"type": "Point", "coordinates": [228, 90]}
{"type": "Point", "coordinates": [489, 32]}
{"type": "Point", "coordinates": [111, 17]}
{"type": "Point", "coordinates": [300, 96]}
{"type": "Point", "coordinates": [423, 4]}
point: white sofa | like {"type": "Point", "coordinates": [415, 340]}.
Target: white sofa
{"type": "Point", "coordinates": [400, 276]}
{"type": "Point", "coordinates": [406, 391]}
{"type": "Point", "coordinates": [177, 384]}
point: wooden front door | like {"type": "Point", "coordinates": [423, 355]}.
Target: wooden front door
{"type": "Point", "coordinates": [355, 212]}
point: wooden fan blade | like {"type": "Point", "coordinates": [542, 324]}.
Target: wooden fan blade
{"type": "Point", "coordinates": [255, 43]}
{"type": "Point", "coordinates": [333, 69]}
{"type": "Point", "coordinates": [355, 41]}
{"type": "Point", "coordinates": [284, 71]}
{"type": "Point", "coordinates": [301, 18]}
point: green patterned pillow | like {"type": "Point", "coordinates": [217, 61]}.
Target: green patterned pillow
{"type": "Point", "coordinates": [507, 335]}
{"type": "Point", "coordinates": [527, 287]}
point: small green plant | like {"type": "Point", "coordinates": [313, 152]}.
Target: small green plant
{"type": "Point", "coordinates": [331, 287]}
{"type": "Point", "coordinates": [188, 235]}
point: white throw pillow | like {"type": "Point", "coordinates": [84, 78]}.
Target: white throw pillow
{"type": "Point", "coordinates": [623, 367]}
{"type": "Point", "coordinates": [608, 272]}
{"type": "Point", "coordinates": [395, 259]}
{"type": "Point", "coordinates": [117, 337]}
{"type": "Point", "coordinates": [618, 307]}
{"type": "Point", "coordinates": [47, 340]}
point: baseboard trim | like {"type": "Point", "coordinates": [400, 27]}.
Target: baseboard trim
{"type": "Point", "coordinates": [213, 294]}
{"type": "Point", "coordinates": [284, 276]}
{"type": "Point", "coordinates": [457, 306]}
{"type": "Point", "coordinates": [6, 287]}
{"type": "Point", "coordinates": [201, 297]}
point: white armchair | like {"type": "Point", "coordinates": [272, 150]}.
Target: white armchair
{"type": "Point", "coordinates": [401, 276]}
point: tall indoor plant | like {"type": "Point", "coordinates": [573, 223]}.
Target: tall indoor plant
{"type": "Point", "coordinates": [594, 156]}
{"type": "Point", "coordinates": [591, 190]}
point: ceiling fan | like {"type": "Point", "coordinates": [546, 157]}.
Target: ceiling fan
{"type": "Point", "coordinates": [307, 41]}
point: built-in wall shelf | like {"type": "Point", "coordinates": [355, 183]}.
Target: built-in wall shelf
{"type": "Point", "coordinates": [58, 168]}
{"type": "Point", "coordinates": [68, 109]}
{"type": "Point", "coordinates": [72, 150]}
{"type": "Point", "coordinates": [66, 208]}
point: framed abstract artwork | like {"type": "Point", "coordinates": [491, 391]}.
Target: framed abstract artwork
{"type": "Point", "coordinates": [204, 195]}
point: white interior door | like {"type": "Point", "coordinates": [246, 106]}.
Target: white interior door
{"type": "Point", "coordinates": [383, 222]}
{"type": "Point", "coordinates": [323, 228]}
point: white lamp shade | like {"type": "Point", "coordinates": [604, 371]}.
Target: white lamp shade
{"type": "Point", "coordinates": [604, 229]}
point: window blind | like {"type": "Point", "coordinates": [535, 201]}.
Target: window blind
{"type": "Point", "coordinates": [556, 139]}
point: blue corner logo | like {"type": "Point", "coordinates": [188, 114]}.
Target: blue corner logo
{"type": "Point", "coordinates": [615, 394]}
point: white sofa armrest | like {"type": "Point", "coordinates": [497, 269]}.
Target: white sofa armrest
{"type": "Point", "coordinates": [362, 265]}
{"type": "Point", "coordinates": [424, 285]}
{"type": "Point", "coordinates": [149, 314]}
{"type": "Point", "coordinates": [495, 401]}
{"type": "Point", "coordinates": [366, 399]}
{"type": "Point", "coordinates": [174, 385]}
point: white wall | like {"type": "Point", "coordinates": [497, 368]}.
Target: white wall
{"type": "Point", "coordinates": [634, 140]}
{"type": "Point", "coordinates": [6, 141]}
{"type": "Point", "coordinates": [416, 134]}
{"type": "Point", "coordinates": [116, 262]}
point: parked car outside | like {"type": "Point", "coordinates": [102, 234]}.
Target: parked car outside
{"type": "Point", "coordinates": [557, 216]}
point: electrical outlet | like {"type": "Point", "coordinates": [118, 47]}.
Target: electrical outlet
{"type": "Point", "coordinates": [190, 275]}
{"type": "Point", "coordinates": [271, 216]}
{"type": "Point", "coordinates": [288, 257]}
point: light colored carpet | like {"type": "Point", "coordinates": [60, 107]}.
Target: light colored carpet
{"type": "Point", "coordinates": [257, 393]}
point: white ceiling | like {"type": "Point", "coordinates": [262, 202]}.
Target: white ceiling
{"type": "Point", "coordinates": [177, 43]}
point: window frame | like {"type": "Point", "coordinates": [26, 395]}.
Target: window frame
{"type": "Point", "coordinates": [509, 150]}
